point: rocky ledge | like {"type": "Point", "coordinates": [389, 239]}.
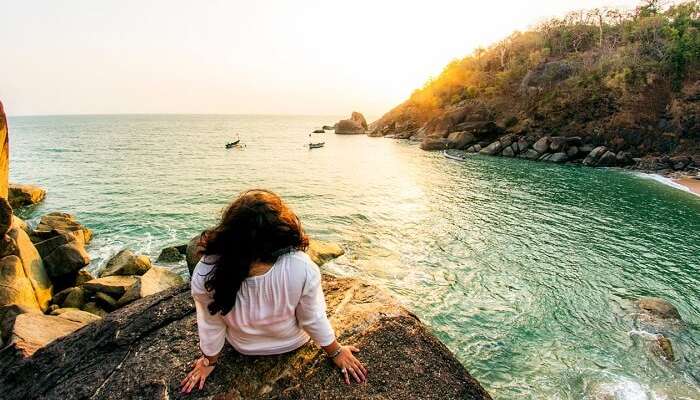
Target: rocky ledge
{"type": "Point", "coordinates": [144, 349]}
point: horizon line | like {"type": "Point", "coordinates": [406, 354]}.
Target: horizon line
{"type": "Point", "coordinates": [172, 114]}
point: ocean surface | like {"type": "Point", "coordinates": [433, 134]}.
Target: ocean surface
{"type": "Point", "coordinates": [527, 271]}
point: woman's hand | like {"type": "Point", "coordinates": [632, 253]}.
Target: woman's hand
{"type": "Point", "coordinates": [349, 365]}
{"type": "Point", "coordinates": [197, 376]}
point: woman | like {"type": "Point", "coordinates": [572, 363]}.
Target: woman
{"type": "Point", "coordinates": [256, 288]}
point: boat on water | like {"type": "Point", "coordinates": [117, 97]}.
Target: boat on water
{"type": "Point", "coordinates": [235, 143]}
{"type": "Point", "coordinates": [457, 155]}
{"type": "Point", "coordinates": [315, 145]}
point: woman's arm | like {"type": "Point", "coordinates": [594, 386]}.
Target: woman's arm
{"type": "Point", "coordinates": [311, 315]}
{"type": "Point", "coordinates": [212, 335]}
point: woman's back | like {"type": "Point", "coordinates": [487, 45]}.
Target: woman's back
{"type": "Point", "coordinates": [273, 312]}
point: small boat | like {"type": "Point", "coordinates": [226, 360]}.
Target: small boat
{"type": "Point", "coordinates": [316, 145]}
{"type": "Point", "coordinates": [233, 144]}
{"type": "Point", "coordinates": [458, 155]}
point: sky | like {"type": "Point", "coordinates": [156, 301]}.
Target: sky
{"type": "Point", "coordinates": [243, 57]}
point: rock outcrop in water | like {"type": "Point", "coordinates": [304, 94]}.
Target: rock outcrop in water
{"type": "Point", "coordinates": [25, 195]}
{"type": "Point", "coordinates": [145, 349]}
{"type": "Point", "coordinates": [355, 125]}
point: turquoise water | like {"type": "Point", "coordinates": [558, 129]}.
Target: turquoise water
{"type": "Point", "coordinates": [526, 270]}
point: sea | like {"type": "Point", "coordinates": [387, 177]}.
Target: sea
{"type": "Point", "coordinates": [527, 271]}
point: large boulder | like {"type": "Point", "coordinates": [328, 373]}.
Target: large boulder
{"type": "Point", "coordinates": [359, 118]}
{"type": "Point", "coordinates": [46, 247]}
{"type": "Point", "coordinates": [75, 315]}
{"type": "Point", "coordinates": [126, 263]}
{"type": "Point", "coordinates": [492, 149]}
{"type": "Point", "coordinates": [56, 223]}
{"type": "Point", "coordinates": [114, 285]}
{"type": "Point", "coordinates": [25, 195]}
{"type": "Point", "coordinates": [4, 154]}
{"type": "Point", "coordinates": [349, 127]}
{"type": "Point", "coordinates": [33, 266]}
{"type": "Point", "coordinates": [434, 143]}
{"type": "Point", "coordinates": [658, 308]}
{"type": "Point", "coordinates": [28, 332]}
{"type": "Point", "coordinates": [594, 156]}
{"type": "Point", "coordinates": [460, 140]}
{"type": "Point", "coordinates": [145, 349]}
{"type": "Point", "coordinates": [321, 252]}
{"type": "Point", "coordinates": [15, 288]}
{"type": "Point", "coordinates": [62, 264]}
{"type": "Point", "coordinates": [542, 145]}
{"type": "Point", "coordinates": [155, 280]}
{"type": "Point", "coordinates": [169, 254]}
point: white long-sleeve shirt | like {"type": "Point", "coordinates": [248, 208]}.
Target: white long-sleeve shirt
{"type": "Point", "coordinates": [275, 312]}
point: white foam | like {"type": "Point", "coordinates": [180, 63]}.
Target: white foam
{"type": "Point", "coordinates": [664, 180]}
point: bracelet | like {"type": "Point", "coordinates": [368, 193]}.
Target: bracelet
{"type": "Point", "coordinates": [335, 353]}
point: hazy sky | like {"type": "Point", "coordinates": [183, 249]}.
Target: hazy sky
{"type": "Point", "coordinates": [240, 57]}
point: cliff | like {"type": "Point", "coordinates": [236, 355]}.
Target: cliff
{"type": "Point", "coordinates": [143, 351]}
{"type": "Point", "coordinates": [625, 80]}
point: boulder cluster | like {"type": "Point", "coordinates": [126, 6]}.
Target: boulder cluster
{"type": "Point", "coordinates": [474, 127]}
{"type": "Point", "coordinates": [46, 291]}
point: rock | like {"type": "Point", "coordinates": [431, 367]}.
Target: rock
{"type": "Point", "coordinates": [65, 261]}
{"type": "Point", "coordinates": [106, 302]}
{"type": "Point", "coordinates": [508, 152]}
{"type": "Point", "coordinates": [15, 288]}
{"type": "Point", "coordinates": [155, 280]}
{"type": "Point", "coordinates": [572, 152]}
{"type": "Point", "coordinates": [658, 308]}
{"type": "Point", "coordinates": [20, 224]}
{"type": "Point", "coordinates": [45, 247]}
{"type": "Point", "coordinates": [5, 216]}
{"type": "Point", "coordinates": [144, 350]}
{"type": "Point", "coordinates": [557, 144]}
{"type": "Point", "coordinates": [113, 285]}
{"type": "Point", "coordinates": [359, 118]}
{"type": "Point", "coordinates": [318, 131]}
{"type": "Point", "coordinates": [542, 145]}
{"type": "Point", "coordinates": [126, 263]}
{"type": "Point", "coordinates": [530, 154]}
{"type": "Point", "coordinates": [608, 159]}
{"type": "Point", "coordinates": [586, 148]}
{"type": "Point", "coordinates": [594, 155]}
{"type": "Point", "coordinates": [182, 248]}
{"type": "Point", "coordinates": [83, 276]}
{"type": "Point", "coordinates": [474, 149]}
{"type": "Point", "coordinates": [194, 253]}
{"type": "Point", "coordinates": [56, 223]}
{"type": "Point", "coordinates": [58, 311]}
{"type": "Point", "coordinates": [664, 348]}
{"type": "Point", "coordinates": [25, 195]}
{"type": "Point", "coordinates": [558, 157]}
{"type": "Point", "coordinates": [348, 127]}
{"type": "Point", "coordinates": [460, 140]}
{"type": "Point", "coordinates": [492, 149]}
{"type": "Point", "coordinates": [4, 154]}
{"type": "Point", "coordinates": [94, 309]}
{"type": "Point", "coordinates": [522, 145]}
{"type": "Point", "coordinates": [623, 158]}
{"type": "Point", "coordinates": [321, 252]}
{"type": "Point", "coordinates": [75, 298]}
{"type": "Point", "coordinates": [434, 143]}
{"type": "Point", "coordinates": [169, 254]}
{"type": "Point", "coordinates": [32, 331]}
{"type": "Point", "coordinates": [327, 127]}
{"type": "Point", "coordinates": [79, 316]}
{"type": "Point", "coordinates": [33, 267]}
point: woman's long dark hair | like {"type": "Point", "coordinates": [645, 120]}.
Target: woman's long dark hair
{"type": "Point", "coordinates": [256, 227]}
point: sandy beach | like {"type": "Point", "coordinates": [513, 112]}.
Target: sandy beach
{"type": "Point", "coordinates": [693, 185]}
